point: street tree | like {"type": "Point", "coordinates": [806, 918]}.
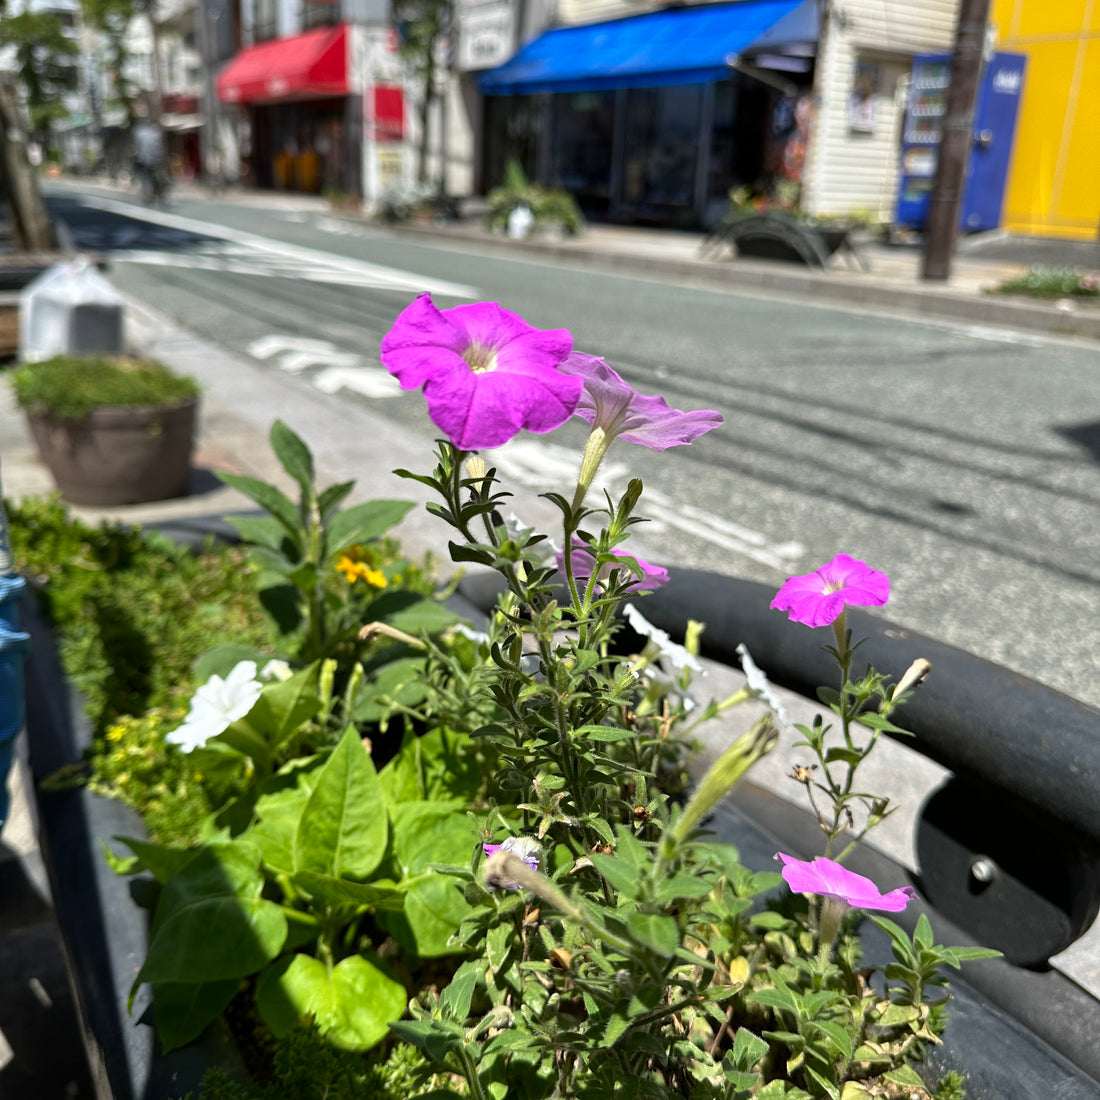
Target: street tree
{"type": "Point", "coordinates": [46, 62]}
{"type": "Point", "coordinates": [422, 26]}
{"type": "Point", "coordinates": [112, 18]}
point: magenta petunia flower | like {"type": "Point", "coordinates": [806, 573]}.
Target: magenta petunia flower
{"type": "Point", "coordinates": [584, 561]}
{"type": "Point", "coordinates": [611, 404]}
{"type": "Point", "coordinates": [828, 879]}
{"type": "Point", "coordinates": [487, 374]}
{"type": "Point", "coordinates": [816, 599]}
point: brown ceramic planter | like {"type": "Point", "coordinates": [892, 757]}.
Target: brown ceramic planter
{"type": "Point", "coordinates": [119, 455]}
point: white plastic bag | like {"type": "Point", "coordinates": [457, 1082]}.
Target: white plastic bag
{"type": "Point", "coordinates": [69, 308]}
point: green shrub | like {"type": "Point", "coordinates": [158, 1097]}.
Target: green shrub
{"type": "Point", "coordinates": [1052, 282]}
{"type": "Point", "coordinates": [73, 385]}
{"type": "Point", "coordinates": [549, 206]}
{"type": "Point", "coordinates": [131, 610]}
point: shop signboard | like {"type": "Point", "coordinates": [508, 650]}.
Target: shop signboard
{"type": "Point", "coordinates": [486, 34]}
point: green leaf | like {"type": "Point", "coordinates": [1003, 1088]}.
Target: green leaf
{"type": "Point", "coordinates": [659, 933]}
{"type": "Point", "coordinates": [616, 1027]}
{"type": "Point", "coordinates": [222, 659]}
{"type": "Point", "coordinates": [620, 874]}
{"type": "Point", "coordinates": [363, 522]}
{"type": "Point", "coordinates": [333, 497]}
{"type": "Point", "coordinates": [922, 934]}
{"type": "Point", "coordinates": [905, 1076]}
{"type": "Point", "coordinates": [457, 997]}
{"type": "Point", "coordinates": [838, 1035]}
{"type": "Point", "coordinates": [263, 531]}
{"type": "Point", "coordinates": [183, 1010]}
{"type": "Point", "coordinates": [401, 682]}
{"type": "Point", "coordinates": [846, 755]}
{"type": "Point", "coordinates": [267, 497]}
{"type": "Point", "coordinates": [292, 452]}
{"type": "Point", "coordinates": [279, 814]}
{"type": "Point", "coordinates": [896, 1015]}
{"type": "Point", "coordinates": [219, 889]}
{"type": "Point", "coordinates": [352, 1004]}
{"type": "Point", "coordinates": [161, 860]}
{"type": "Point", "coordinates": [412, 613]}
{"type": "Point", "coordinates": [775, 998]}
{"type": "Point", "coordinates": [343, 830]}
{"type": "Point", "coordinates": [285, 705]}
{"type": "Point", "coordinates": [748, 1049]}
{"type": "Point", "coordinates": [604, 733]}
{"type": "Point", "coordinates": [966, 954]}
{"type": "Point", "coordinates": [427, 833]}
{"type": "Point", "coordinates": [679, 886]}
{"type": "Point", "coordinates": [469, 553]}
{"type": "Point", "coordinates": [340, 893]}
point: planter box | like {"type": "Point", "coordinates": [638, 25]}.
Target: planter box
{"type": "Point", "coordinates": [1000, 1014]}
{"type": "Point", "coordinates": [124, 455]}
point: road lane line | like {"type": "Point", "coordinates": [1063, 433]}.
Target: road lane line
{"type": "Point", "coordinates": [387, 276]}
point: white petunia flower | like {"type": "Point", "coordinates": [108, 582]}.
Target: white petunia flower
{"type": "Point", "coordinates": [677, 654]}
{"type": "Point", "coordinates": [276, 670]}
{"type": "Point", "coordinates": [217, 705]}
{"type": "Point", "coordinates": [758, 682]}
{"type": "Point", "coordinates": [478, 636]}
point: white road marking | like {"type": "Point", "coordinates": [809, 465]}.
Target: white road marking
{"type": "Point", "coordinates": [267, 346]}
{"type": "Point", "coordinates": [369, 381]}
{"type": "Point", "coordinates": [315, 265]}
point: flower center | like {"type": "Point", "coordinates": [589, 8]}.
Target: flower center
{"type": "Point", "coordinates": [480, 358]}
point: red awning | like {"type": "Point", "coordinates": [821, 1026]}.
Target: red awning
{"type": "Point", "coordinates": [306, 66]}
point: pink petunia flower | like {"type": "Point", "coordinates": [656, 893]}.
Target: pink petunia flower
{"type": "Point", "coordinates": [611, 404]}
{"type": "Point", "coordinates": [818, 598]}
{"type": "Point", "coordinates": [487, 374]}
{"type": "Point", "coordinates": [584, 562]}
{"type": "Point", "coordinates": [828, 879]}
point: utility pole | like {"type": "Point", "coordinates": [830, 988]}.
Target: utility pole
{"type": "Point", "coordinates": [958, 122]}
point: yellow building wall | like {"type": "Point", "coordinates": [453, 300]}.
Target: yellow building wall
{"type": "Point", "coordinates": [1054, 179]}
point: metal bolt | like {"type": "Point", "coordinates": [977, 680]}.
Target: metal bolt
{"type": "Point", "coordinates": [983, 869]}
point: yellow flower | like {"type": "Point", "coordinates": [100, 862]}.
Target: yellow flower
{"type": "Point", "coordinates": [355, 569]}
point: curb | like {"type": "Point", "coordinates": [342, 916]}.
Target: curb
{"type": "Point", "coordinates": [831, 287]}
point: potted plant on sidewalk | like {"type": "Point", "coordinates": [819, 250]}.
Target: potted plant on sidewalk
{"type": "Point", "coordinates": [112, 430]}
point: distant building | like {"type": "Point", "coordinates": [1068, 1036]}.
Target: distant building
{"type": "Point", "coordinates": [1054, 179]}
{"type": "Point", "coordinates": [654, 114]}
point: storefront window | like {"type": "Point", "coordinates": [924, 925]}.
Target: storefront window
{"type": "Point", "coordinates": [743, 112]}
{"type": "Point", "coordinates": [582, 125]}
{"type": "Point", "coordinates": [265, 23]}
{"type": "Point", "coordinates": [661, 146]}
{"type": "Point", "coordinates": [513, 127]}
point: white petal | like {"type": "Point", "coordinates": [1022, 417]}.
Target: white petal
{"type": "Point", "coordinates": [758, 682]}
{"type": "Point", "coordinates": [679, 656]}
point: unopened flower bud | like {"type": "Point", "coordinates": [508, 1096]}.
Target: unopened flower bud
{"type": "Point", "coordinates": [915, 675]}
{"type": "Point", "coordinates": [475, 467]}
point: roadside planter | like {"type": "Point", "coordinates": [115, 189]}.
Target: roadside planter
{"type": "Point", "coordinates": [111, 430]}
{"type": "Point", "coordinates": [525, 861]}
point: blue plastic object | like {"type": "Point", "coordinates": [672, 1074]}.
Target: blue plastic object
{"type": "Point", "coordinates": [13, 645]}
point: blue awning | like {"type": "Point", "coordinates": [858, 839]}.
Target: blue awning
{"type": "Point", "coordinates": [676, 46]}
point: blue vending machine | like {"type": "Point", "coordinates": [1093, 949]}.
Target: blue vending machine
{"type": "Point", "coordinates": [991, 148]}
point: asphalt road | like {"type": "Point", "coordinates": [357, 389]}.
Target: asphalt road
{"type": "Point", "coordinates": [965, 465]}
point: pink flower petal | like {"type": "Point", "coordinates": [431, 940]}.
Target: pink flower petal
{"type": "Point", "coordinates": [818, 598]}
{"type": "Point", "coordinates": [610, 403]}
{"type": "Point", "coordinates": [827, 878]}
{"type": "Point", "coordinates": [584, 561]}
{"type": "Point", "coordinates": [486, 373]}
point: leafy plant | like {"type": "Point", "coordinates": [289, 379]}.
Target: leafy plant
{"type": "Point", "coordinates": [72, 385]}
{"type": "Point", "coordinates": [548, 206]}
{"type": "Point", "coordinates": [1052, 282]}
{"type": "Point", "coordinates": [130, 609]}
